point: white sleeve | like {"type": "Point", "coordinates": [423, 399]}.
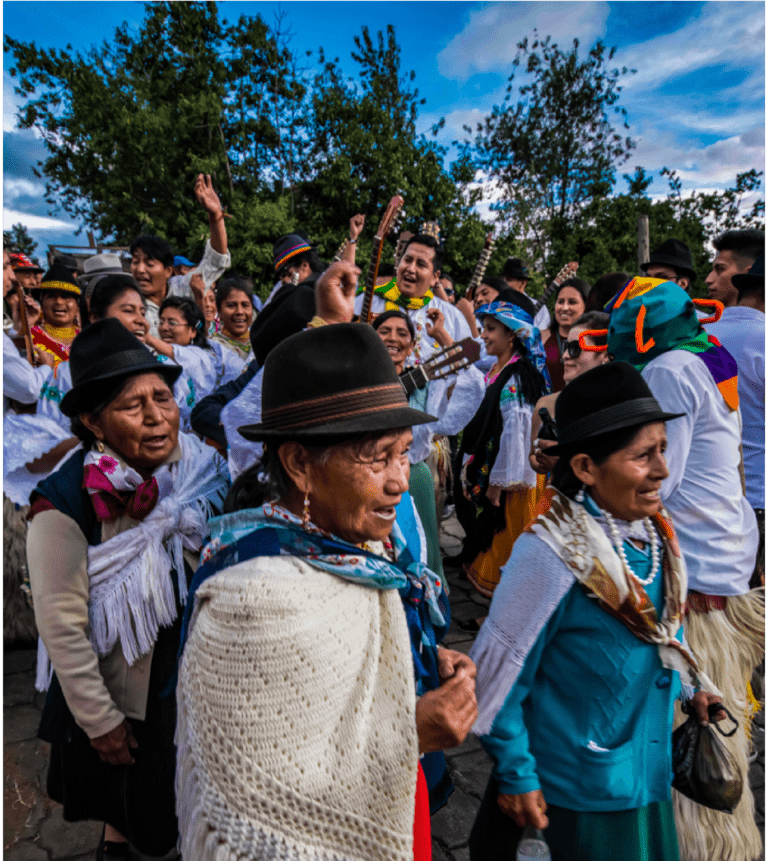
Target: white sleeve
{"type": "Point", "coordinates": [245, 409]}
{"type": "Point", "coordinates": [511, 468]}
{"type": "Point", "coordinates": [466, 397]}
{"type": "Point", "coordinates": [455, 322]}
{"type": "Point", "coordinates": [211, 268]}
{"type": "Point", "coordinates": [21, 381]}
{"type": "Point", "coordinates": [676, 392]}
{"type": "Point", "coordinates": [201, 366]}
{"type": "Point", "coordinates": [542, 319]}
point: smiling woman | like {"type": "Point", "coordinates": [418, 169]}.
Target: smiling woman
{"type": "Point", "coordinates": [234, 302]}
{"type": "Point", "coordinates": [58, 294]}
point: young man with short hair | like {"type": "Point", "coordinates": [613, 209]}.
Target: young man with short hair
{"type": "Point", "coordinates": [736, 250]}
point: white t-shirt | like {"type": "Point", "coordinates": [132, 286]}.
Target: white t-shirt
{"type": "Point", "coordinates": [715, 524]}
{"type": "Point", "coordinates": [741, 331]}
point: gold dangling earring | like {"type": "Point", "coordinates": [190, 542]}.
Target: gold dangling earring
{"type": "Point", "coordinates": [99, 446]}
{"type": "Point", "coordinates": [305, 515]}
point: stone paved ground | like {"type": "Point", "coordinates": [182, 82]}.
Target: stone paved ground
{"type": "Point", "coordinates": [33, 827]}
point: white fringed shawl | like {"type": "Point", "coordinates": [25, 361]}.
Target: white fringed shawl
{"type": "Point", "coordinates": [131, 588]}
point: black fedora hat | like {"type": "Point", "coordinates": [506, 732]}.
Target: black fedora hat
{"type": "Point", "coordinates": [102, 353]}
{"type": "Point", "coordinates": [288, 313]}
{"type": "Point", "coordinates": [514, 268]}
{"type": "Point", "coordinates": [673, 253]}
{"type": "Point", "coordinates": [59, 277]}
{"type": "Point", "coordinates": [607, 398]}
{"type": "Point", "coordinates": [328, 382]}
{"type": "Point", "coordinates": [753, 280]}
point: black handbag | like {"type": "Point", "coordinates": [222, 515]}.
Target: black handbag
{"type": "Point", "coordinates": [703, 768]}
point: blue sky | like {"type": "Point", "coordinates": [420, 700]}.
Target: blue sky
{"type": "Point", "coordinates": [696, 104]}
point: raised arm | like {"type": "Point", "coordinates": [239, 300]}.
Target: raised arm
{"type": "Point", "coordinates": [356, 225]}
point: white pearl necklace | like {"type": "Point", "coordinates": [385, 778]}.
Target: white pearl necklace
{"type": "Point", "coordinates": [618, 544]}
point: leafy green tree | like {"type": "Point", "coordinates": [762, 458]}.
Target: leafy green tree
{"type": "Point", "coordinates": [18, 240]}
{"type": "Point", "coordinates": [550, 148]}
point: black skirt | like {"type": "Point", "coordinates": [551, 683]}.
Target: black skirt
{"type": "Point", "coordinates": [138, 800]}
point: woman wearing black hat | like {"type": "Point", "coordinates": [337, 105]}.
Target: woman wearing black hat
{"type": "Point", "coordinates": [58, 295]}
{"type": "Point", "coordinates": [581, 657]}
{"type": "Point", "coordinates": [299, 731]}
{"type": "Point", "coordinates": [112, 542]}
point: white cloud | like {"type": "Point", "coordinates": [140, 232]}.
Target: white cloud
{"type": "Point", "coordinates": [722, 34]}
{"type": "Point", "coordinates": [33, 222]}
{"type": "Point", "coordinates": [489, 40]}
{"type": "Point", "coordinates": [13, 188]}
{"type": "Point", "coordinates": [11, 104]}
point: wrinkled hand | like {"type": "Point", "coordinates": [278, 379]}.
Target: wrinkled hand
{"type": "Point", "coordinates": [356, 225]}
{"type": "Point", "coordinates": [206, 196]}
{"type": "Point", "coordinates": [493, 494]}
{"type": "Point", "coordinates": [528, 808]}
{"type": "Point", "coordinates": [700, 703]}
{"type": "Point", "coordinates": [445, 716]}
{"type": "Point", "coordinates": [450, 663]}
{"type": "Point", "coordinates": [115, 746]}
{"type": "Point", "coordinates": [335, 292]}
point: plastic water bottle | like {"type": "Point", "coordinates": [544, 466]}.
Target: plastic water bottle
{"type": "Point", "coordinates": [533, 846]}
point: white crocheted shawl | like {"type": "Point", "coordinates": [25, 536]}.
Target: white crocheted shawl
{"type": "Point", "coordinates": [296, 730]}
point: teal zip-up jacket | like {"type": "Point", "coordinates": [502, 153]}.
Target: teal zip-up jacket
{"type": "Point", "coordinates": [589, 719]}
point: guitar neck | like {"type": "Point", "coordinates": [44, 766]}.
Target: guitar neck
{"type": "Point", "coordinates": [370, 281]}
{"type": "Point", "coordinates": [413, 379]}
{"type": "Point", "coordinates": [566, 272]}
{"type": "Point", "coordinates": [482, 264]}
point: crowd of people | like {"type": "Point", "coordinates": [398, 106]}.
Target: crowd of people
{"type": "Point", "coordinates": [225, 516]}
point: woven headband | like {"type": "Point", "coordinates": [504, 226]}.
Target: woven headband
{"type": "Point", "coordinates": [60, 285]}
{"type": "Point", "coordinates": [342, 405]}
{"type": "Point", "coordinates": [291, 252]}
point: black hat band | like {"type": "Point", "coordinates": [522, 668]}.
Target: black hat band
{"type": "Point", "coordinates": [611, 418]}
{"type": "Point", "coordinates": [335, 407]}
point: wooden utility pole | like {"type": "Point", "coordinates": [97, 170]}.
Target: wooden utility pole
{"type": "Point", "coordinates": [643, 241]}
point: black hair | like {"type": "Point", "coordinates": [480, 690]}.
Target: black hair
{"type": "Point", "coordinates": [155, 248]}
{"type": "Point", "coordinates": [605, 288]}
{"type": "Point", "coordinates": [448, 278]}
{"type": "Point", "coordinates": [109, 288]}
{"type": "Point", "coordinates": [595, 320]}
{"type": "Point", "coordinates": [193, 316]}
{"type": "Point", "coordinates": [497, 284]}
{"type": "Point", "coordinates": [401, 315]}
{"type": "Point", "coordinates": [599, 448]}
{"type": "Point", "coordinates": [229, 285]}
{"type": "Point", "coordinates": [386, 270]}
{"type": "Point", "coordinates": [745, 245]}
{"type": "Point", "coordinates": [267, 480]}
{"type": "Point", "coordinates": [579, 285]}
{"type": "Point", "coordinates": [430, 242]}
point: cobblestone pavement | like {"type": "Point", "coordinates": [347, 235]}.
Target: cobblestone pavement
{"type": "Point", "coordinates": [34, 829]}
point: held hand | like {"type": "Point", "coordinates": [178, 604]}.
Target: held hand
{"type": "Point", "coordinates": [493, 494]}
{"type": "Point", "coordinates": [43, 357]}
{"type": "Point", "coordinates": [206, 196]}
{"type": "Point", "coordinates": [529, 808]}
{"type": "Point", "coordinates": [543, 462]}
{"type": "Point", "coordinates": [335, 293]}
{"type": "Point", "coordinates": [197, 286]}
{"type": "Point", "coordinates": [436, 327]}
{"type": "Point", "coordinates": [451, 663]}
{"type": "Point", "coordinates": [445, 716]}
{"type": "Point", "coordinates": [356, 225]}
{"type": "Point", "coordinates": [700, 702]}
{"type": "Point", "coordinates": [115, 746]}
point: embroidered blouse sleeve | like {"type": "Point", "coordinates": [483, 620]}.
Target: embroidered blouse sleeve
{"type": "Point", "coordinates": [57, 557]}
{"type": "Point", "coordinates": [201, 366]}
{"type": "Point", "coordinates": [211, 267]}
{"type": "Point", "coordinates": [508, 652]}
{"type": "Point", "coordinates": [511, 468]}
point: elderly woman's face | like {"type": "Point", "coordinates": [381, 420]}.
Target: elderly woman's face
{"type": "Point", "coordinates": [141, 423]}
{"type": "Point", "coordinates": [354, 493]}
{"type": "Point", "coordinates": [627, 483]}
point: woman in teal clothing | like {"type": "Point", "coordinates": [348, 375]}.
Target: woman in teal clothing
{"type": "Point", "coordinates": [582, 657]}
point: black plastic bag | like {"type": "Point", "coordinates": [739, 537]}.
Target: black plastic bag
{"type": "Point", "coordinates": [702, 766]}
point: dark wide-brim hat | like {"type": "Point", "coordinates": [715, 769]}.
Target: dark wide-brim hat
{"type": "Point", "coordinates": [673, 253]}
{"type": "Point", "coordinates": [607, 398]}
{"type": "Point", "coordinates": [59, 277]}
{"type": "Point", "coordinates": [102, 354]}
{"type": "Point", "coordinates": [754, 279]}
{"type": "Point", "coordinates": [329, 382]}
{"type": "Point", "coordinates": [514, 268]}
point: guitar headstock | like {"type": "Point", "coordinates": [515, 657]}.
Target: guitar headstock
{"type": "Point", "coordinates": [568, 271]}
{"type": "Point", "coordinates": [388, 222]}
{"type": "Point", "coordinates": [461, 354]}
